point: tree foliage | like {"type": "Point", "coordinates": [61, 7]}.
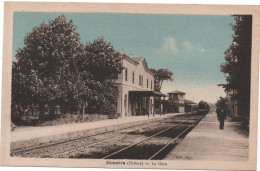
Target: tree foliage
{"type": "Point", "coordinates": [237, 67]}
{"type": "Point", "coordinates": [160, 76]}
{"type": "Point", "coordinates": [54, 68]}
{"type": "Point", "coordinates": [238, 56]}
{"type": "Point", "coordinates": [101, 59]}
{"type": "Point", "coordinates": [44, 70]}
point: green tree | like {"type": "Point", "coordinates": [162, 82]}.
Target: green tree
{"type": "Point", "coordinates": [237, 67]}
{"type": "Point", "coordinates": [45, 70]}
{"type": "Point", "coordinates": [160, 76]}
{"type": "Point", "coordinates": [104, 97]}
{"type": "Point", "coordinates": [101, 60]}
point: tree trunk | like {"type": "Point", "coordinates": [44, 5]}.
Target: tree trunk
{"type": "Point", "coordinates": [52, 110]}
{"type": "Point", "coordinates": [78, 115]}
{"type": "Point", "coordinates": [41, 111]}
{"type": "Point", "coordinates": [83, 113]}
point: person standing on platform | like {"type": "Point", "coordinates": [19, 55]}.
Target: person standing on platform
{"type": "Point", "coordinates": [222, 115]}
{"type": "Point", "coordinates": [221, 111]}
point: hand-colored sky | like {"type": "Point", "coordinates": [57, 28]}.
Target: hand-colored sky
{"type": "Point", "coordinates": [191, 46]}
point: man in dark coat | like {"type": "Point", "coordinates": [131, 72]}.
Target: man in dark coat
{"type": "Point", "coordinates": [222, 114]}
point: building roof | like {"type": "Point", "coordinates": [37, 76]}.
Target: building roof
{"type": "Point", "coordinates": [157, 93]}
{"type": "Point", "coordinates": [138, 59]}
{"type": "Point", "coordinates": [176, 92]}
{"type": "Point", "coordinates": [131, 60]}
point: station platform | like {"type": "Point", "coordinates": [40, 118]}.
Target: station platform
{"type": "Point", "coordinates": [206, 142]}
{"type": "Point", "coordinates": [32, 136]}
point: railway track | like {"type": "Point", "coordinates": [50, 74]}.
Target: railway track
{"type": "Point", "coordinates": [88, 147]}
{"type": "Point", "coordinates": [133, 152]}
{"type": "Point", "coordinates": [20, 152]}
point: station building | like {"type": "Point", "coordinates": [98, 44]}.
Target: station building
{"type": "Point", "coordinates": [136, 87]}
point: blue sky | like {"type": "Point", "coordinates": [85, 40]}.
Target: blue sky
{"type": "Point", "coordinates": [191, 46]}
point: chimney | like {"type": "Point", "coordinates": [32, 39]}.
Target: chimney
{"type": "Point", "coordinates": [131, 55]}
{"type": "Point", "coordinates": [121, 51]}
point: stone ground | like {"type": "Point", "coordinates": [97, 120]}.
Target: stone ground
{"type": "Point", "coordinates": [206, 142]}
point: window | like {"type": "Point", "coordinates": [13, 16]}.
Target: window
{"type": "Point", "coordinates": [151, 85]}
{"type": "Point", "coordinates": [140, 80]}
{"type": "Point", "coordinates": [126, 74]}
{"type": "Point", "coordinates": [133, 77]}
{"type": "Point", "coordinates": [147, 83]}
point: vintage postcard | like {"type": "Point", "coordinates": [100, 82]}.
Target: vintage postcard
{"type": "Point", "coordinates": [148, 86]}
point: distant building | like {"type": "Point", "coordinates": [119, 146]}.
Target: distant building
{"type": "Point", "coordinates": [136, 87]}
{"type": "Point", "coordinates": [178, 98]}
{"type": "Point", "coordinates": [232, 101]}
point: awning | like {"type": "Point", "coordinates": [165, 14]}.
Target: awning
{"type": "Point", "coordinates": [146, 93]}
{"type": "Point", "coordinates": [159, 94]}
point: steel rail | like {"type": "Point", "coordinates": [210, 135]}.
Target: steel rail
{"type": "Point", "coordinates": [125, 148]}
{"type": "Point", "coordinates": [173, 140]}
{"type": "Point", "coordinates": [86, 146]}
{"type": "Point", "coordinates": [79, 148]}
{"type": "Point", "coordinates": [15, 152]}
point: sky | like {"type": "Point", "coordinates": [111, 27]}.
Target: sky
{"type": "Point", "coordinates": [191, 46]}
